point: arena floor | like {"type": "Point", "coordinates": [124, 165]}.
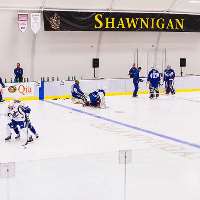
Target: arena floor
{"type": "Point", "coordinates": [78, 149]}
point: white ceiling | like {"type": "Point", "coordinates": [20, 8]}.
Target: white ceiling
{"type": "Point", "coordinates": [129, 5]}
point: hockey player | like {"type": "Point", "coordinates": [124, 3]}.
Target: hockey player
{"type": "Point", "coordinates": [154, 83]}
{"type": "Point", "coordinates": [1, 86]}
{"type": "Point", "coordinates": [134, 73]}
{"type": "Point", "coordinates": [19, 118]}
{"type": "Point", "coordinates": [169, 76]}
{"type": "Point", "coordinates": [96, 99]}
{"type": "Point", "coordinates": [77, 94]}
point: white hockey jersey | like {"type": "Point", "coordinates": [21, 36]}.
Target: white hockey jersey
{"type": "Point", "coordinates": [15, 112]}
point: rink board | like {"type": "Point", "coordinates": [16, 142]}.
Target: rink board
{"type": "Point", "coordinates": [113, 87]}
{"type": "Point", "coordinates": [21, 91]}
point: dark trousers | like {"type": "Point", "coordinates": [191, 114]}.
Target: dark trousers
{"type": "Point", "coordinates": [18, 79]}
{"type": "Point", "coordinates": [32, 129]}
{"type": "Point", "coordinates": [169, 87]}
{"type": "Point", "coordinates": [1, 98]}
{"type": "Point", "coordinates": [154, 91]}
{"type": "Point", "coordinates": [136, 88]}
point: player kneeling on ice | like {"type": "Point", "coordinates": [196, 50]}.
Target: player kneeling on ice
{"type": "Point", "coordinates": [169, 76]}
{"type": "Point", "coordinates": [154, 83]}
{"type": "Point", "coordinates": [96, 99]}
{"type": "Point", "coordinates": [77, 94]}
{"type": "Point", "coordinates": [18, 115]}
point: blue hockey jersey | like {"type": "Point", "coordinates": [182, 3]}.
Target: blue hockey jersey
{"type": "Point", "coordinates": [75, 90]}
{"type": "Point", "coordinates": [135, 74]}
{"type": "Point", "coordinates": [154, 78]}
{"type": "Point", "coordinates": [95, 98]}
{"type": "Point", "coordinates": [169, 74]}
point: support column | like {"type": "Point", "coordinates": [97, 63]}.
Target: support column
{"type": "Point", "coordinates": [33, 51]}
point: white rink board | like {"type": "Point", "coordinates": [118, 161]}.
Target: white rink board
{"type": "Point", "coordinates": [61, 88]}
{"type": "Point", "coordinates": [21, 90]}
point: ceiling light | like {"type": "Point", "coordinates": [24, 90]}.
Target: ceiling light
{"type": "Point", "coordinates": [194, 1]}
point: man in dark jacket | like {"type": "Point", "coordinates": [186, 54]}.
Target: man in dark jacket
{"type": "Point", "coordinates": [1, 86]}
{"type": "Point", "coordinates": [18, 74]}
{"type": "Point", "coordinates": [134, 73]}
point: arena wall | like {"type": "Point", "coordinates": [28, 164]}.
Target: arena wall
{"type": "Point", "coordinates": [64, 54]}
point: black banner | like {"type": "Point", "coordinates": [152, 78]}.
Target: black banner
{"type": "Point", "coordinates": [116, 21]}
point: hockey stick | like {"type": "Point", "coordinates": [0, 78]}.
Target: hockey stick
{"type": "Point", "coordinates": [173, 91]}
{"type": "Point", "coordinates": [26, 143]}
{"type": "Point", "coordinates": [161, 89]}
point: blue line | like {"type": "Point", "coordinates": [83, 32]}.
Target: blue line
{"type": "Point", "coordinates": [128, 126]}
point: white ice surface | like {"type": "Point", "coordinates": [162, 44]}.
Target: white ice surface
{"type": "Point", "coordinates": [80, 152]}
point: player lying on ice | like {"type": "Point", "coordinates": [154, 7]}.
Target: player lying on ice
{"type": "Point", "coordinates": [77, 94]}
{"type": "Point", "coordinates": [18, 115]}
{"type": "Point", "coordinates": [96, 99]}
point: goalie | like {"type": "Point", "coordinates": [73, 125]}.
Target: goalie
{"type": "Point", "coordinates": [18, 115]}
{"type": "Point", "coordinates": [96, 99]}
{"type": "Point", "coordinates": [169, 76]}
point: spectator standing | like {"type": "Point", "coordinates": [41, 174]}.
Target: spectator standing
{"type": "Point", "coordinates": [18, 71]}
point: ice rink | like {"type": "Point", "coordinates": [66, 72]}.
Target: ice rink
{"type": "Point", "coordinates": [78, 149]}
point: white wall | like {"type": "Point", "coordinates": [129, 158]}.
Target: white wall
{"type": "Point", "coordinates": [14, 45]}
{"type": "Point", "coordinates": [66, 54]}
